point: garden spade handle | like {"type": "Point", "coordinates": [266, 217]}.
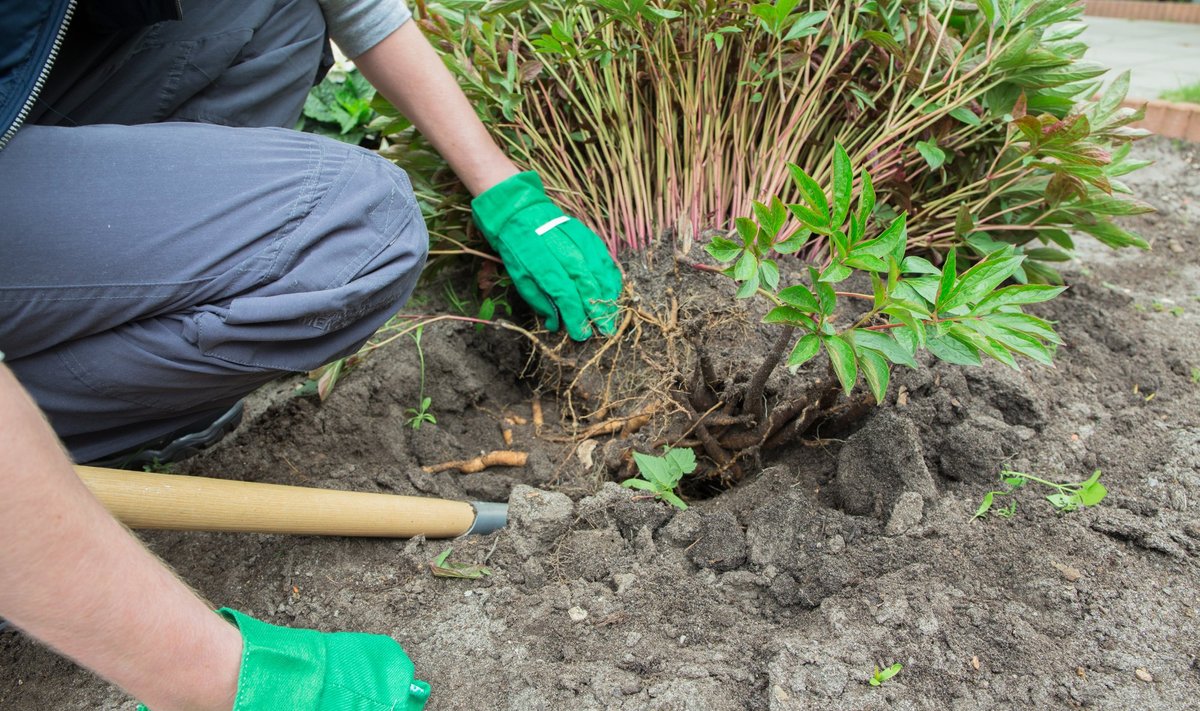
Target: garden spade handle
{"type": "Point", "coordinates": [192, 503]}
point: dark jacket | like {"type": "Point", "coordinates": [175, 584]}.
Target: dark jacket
{"type": "Point", "coordinates": [32, 31]}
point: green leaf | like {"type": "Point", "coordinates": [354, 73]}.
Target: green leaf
{"type": "Point", "coordinates": [835, 273]}
{"type": "Point", "coordinates": [866, 201]}
{"type": "Point", "coordinates": [812, 191]}
{"type": "Point", "coordinates": [946, 284]}
{"type": "Point", "coordinates": [1047, 254]}
{"type": "Point", "coordinates": [747, 230]}
{"type": "Point", "coordinates": [841, 244]}
{"type": "Point", "coordinates": [745, 268]}
{"type": "Point", "coordinates": [790, 315]}
{"type": "Point", "coordinates": [867, 263]}
{"type": "Point", "coordinates": [1064, 502]}
{"type": "Point", "coordinates": [794, 242]}
{"type": "Point", "coordinates": [1016, 295]}
{"type": "Point", "coordinates": [766, 219]}
{"type": "Point", "coordinates": [963, 222]}
{"type": "Point", "coordinates": [875, 372]}
{"type": "Point", "coordinates": [1111, 235]}
{"type": "Point", "coordinates": [826, 297]}
{"type": "Point", "coordinates": [890, 242]}
{"type": "Point", "coordinates": [952, 350]}
{"type": "Point", "coordinates": [748, 288]}
{"type": "Point", "coordinates": [843, 184]}
{"type": "Point", "coordinates": [885, 674]}
{"type": "Point", "coordinates": [636, 483]}
{"type": "Point", "coordinates": [681, 459]}
{"type": "Point", "coordinates": [967, 116]}
{"type": "Point", "coordinates": [857, 230]}
{"type": "Point", "coordinates": [979, 281]}
{"type": "Point", "coordinates": [804, 25]}
{"type": "Point", "coordinates": [655, 470]}
{"type": "Point", "coordinates": [882, 343]}
{"type": "Point", "coordinates": [878, 291]}
{"type": "Point", "coordinates": [723, 250]}
{"type": "Point", "coordinates": [1092, 494]}
{"type": "Point", "coordinates": [1021, 343]}
{"type": "Point", "coordinates": [841, 354]}
{"type": "Point", "coordinates": [985, 505]}
{"type": "Point", "coordinates": [1024, 323]}
{"type": "Point", "coordinates": [801, 298]}
{"type": "Point", "coordinates": [933, 155]}
{"type": "Point", "coordinates": [672, 499]}
{"type": "Point", "coordinates": [911, 337]}
{"type": "Point", "coordinates": [988, 9]}
{"type": "Point", "coordinates": [768, 272]}
{"type": "Point", "coordinates": [918, 265]}
{"type": "Point", "coordinates": [809, 218]}
{"type": "Point", "coordinates": [804, 350]}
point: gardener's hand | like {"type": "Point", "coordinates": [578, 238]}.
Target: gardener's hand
{"type": "Point", "coordinates": [284, 668]}
{"type": "Point", "coordinates": [559, 266]}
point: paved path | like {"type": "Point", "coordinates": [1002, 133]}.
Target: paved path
{"type": "Point", "coordinates": [1161, 55]}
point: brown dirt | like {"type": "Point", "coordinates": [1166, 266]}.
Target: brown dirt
{"type": "Point", "coordinates": [840, 555]}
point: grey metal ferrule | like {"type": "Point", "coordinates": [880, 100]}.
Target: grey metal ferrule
{"type": "Point", "coordinates": [489, 517]}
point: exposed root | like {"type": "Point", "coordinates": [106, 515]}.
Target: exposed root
{"type": "Point", "coordinates": [676, 375]}
{"type": "Point", "coordinates": [498, 458]}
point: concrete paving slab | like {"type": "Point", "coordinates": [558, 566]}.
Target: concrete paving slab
{"type": "Point", "coordinates": [1160, 55]}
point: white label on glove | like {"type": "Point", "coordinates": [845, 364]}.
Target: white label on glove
{"type": "Point", "coordinates": [552, 224]}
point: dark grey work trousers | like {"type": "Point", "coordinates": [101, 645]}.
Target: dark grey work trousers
{"type": "Point", "coordinates": [166, 247]}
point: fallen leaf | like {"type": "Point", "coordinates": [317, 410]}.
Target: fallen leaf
{"type": "Point", "coordinates": [975, 663]}
{"type": "Point", "coordinates": [443, 568]}
{"type": "Point", "coordinates": [584, 452]}
{"type": "Point", "coordinates": [1143, 674]}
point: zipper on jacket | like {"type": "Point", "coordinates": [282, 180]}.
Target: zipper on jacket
{"type": "Point", "coordinates": [42, 76]}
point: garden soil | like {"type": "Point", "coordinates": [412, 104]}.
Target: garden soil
{"type": "Point", "coordinates": [853, 550]}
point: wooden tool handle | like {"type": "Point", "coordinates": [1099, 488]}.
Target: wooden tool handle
{"type": "Point", "coordinates": [192, 503]}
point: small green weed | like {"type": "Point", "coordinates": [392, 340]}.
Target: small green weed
{"type": "Point", "coordinates": [420, 415]}
{"type": "Point", "coordinates": [882, 675]}
{"type": "Point", "coordinates": [1164, 306]}
{"type": "Point", "coordinates": [1066, 497]}
{"type": "Point", "coordinates": [487, 307]}
{"type": "Point", "coordinates": [441, 567]}
{"type": "Point", "coordinates": [660, 475]}
{"type": "Point", "coordinates": [1196, 376]}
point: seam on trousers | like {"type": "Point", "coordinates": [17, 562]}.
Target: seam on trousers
{"type": "Point", "coordinates": [14, 293]}
{"type": "Point", "coordinates": [170, 87]}
{"type": "Point", "coordinates": [297, 217]}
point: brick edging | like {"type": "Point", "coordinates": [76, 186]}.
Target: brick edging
{"type": "Point", "coordinates": [1143, 10]}
{"type": "Point", "coordinates": [1173, 119]}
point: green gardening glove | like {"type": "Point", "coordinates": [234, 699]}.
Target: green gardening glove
{"type": "Point", "coordinates": [560, 267]}
{"type": "Point", "coordinates": [306, 670]}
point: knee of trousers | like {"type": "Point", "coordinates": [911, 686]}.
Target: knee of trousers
{"type": "Point", "coordinates": [347, 266]}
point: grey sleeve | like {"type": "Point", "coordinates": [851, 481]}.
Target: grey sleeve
{"type": "Point", "coordinates": [358, 25]}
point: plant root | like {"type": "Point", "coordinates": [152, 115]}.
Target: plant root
{"type": "Point", "coordinates": [497, 458]}
{"type": "Point", "coordinates": [656, 384]}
